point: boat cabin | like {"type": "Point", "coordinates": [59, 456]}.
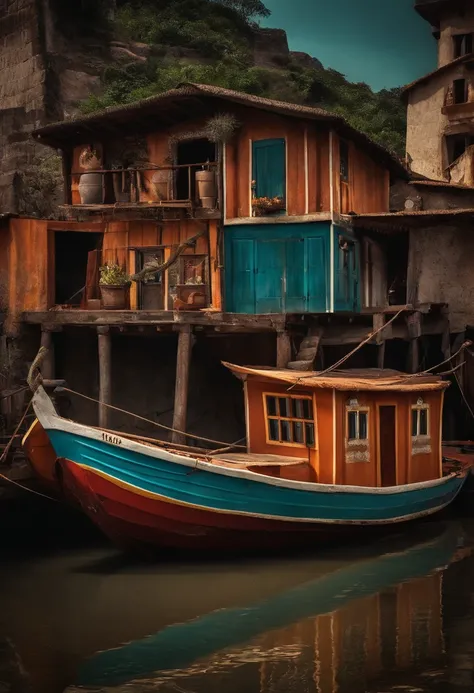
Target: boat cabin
{"type": "Point", "coordinates": [368, 428]}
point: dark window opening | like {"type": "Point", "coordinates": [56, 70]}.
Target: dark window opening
{"type": "Point", "coordinates": [457, 146]}
{"type": "Point", "coordinates": [71, 254]}
{"type": "Point", "coordinates": [460, 91]}
{"type": "Point", "coordinates": [344, 160]}
{"type": "Point", "coordinates": [190, 152]}
{"type": "Point", "coordinates": [396, 253]}
{"type": "Point", "coordinates": [463, 45]}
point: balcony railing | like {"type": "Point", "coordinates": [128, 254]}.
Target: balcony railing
{"type": "Point", "coordinates": [187, 185]}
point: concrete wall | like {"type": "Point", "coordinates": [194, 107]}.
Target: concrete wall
{"type": "Point", "coordinates": [441, 259]}
{"type": "Point", "coordinates": [455, 24]}
{"type": "Point", "coordinates": [431, 197]}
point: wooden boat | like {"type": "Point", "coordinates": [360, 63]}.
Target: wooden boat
{"type": "Point", "coordinates": [42, 457]}
{"type": "Point", "coordinates": [178, 646]}
{"type": "Point", "coordinates": [326, 455]}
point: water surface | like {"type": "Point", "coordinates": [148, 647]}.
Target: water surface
{"type": "Point", "coordinates": [396, 615]}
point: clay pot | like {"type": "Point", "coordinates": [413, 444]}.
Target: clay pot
{"type": "Point", "coordinates": [114, 297]}
{"type": "Point", "coordinates": [160, 182]}
{"type": "Point", "coordinates": [91, 188]}
{"type": "Point", "coordinates": [207, 189]}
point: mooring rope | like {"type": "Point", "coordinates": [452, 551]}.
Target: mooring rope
{"type": "Point", "coordinates": [150, 421]}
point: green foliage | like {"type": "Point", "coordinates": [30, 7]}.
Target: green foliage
{"type": "Point", "coordinates": [220, 33]}
{"type": "Point", "coordinates": [38, 187]}
{"type": "Point", "coordinates": [113, 275]}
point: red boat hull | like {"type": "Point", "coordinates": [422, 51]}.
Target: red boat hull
{"type": "Point", "coordinates": [137, 522]}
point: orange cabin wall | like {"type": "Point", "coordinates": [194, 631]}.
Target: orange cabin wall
{"type": "Point", "coordinates": [328, 459]}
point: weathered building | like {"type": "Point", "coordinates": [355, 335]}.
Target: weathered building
{"type": "Point", "coordinates": [440, 134]}
{"type": "Point", "coordinates": [245, 207]}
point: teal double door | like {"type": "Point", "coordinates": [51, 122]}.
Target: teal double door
{"type": "Point", "coordinates": [278, 270]}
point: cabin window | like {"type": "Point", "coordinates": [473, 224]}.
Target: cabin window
{"type": "Point", "coordinates": [460, 91]}
{"type": "Point", "coordinates": [420, 419]}
{"type": "Point", "coordinates": [357, 448]}
{"type": "Point", "coordinates": [357, 424]}
{"type": "Point", "coordinates": [420, 428]}
{"type": "Point", "coordinates": [463, 45]}
{"type": "Point", "coordinates": [290, 420]}
{"type": "Point", "coordinates": [457, 146]}
{"type": "Point", "coordinates": [269, 175]}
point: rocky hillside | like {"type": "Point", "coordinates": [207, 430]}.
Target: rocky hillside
{"type": "Point", "coordinates": [155, 44]}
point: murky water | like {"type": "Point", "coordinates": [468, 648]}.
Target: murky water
{"type": "Point", "coordinates": [396, 615]}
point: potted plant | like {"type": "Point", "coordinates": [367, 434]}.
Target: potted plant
{"type": "Point", "coordinates": [114, 285]}
{"type": "Point", "coordinates": [91, 183]}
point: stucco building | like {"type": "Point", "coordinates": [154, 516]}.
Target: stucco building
{"type": "Point", "coordinates": [440, 135]}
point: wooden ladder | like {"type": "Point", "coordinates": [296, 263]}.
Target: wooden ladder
{"type": "Point", "coordinates": [308, 351]}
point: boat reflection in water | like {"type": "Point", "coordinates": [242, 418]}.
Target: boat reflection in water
{"type": "Point", "coordinates": [337, 633]}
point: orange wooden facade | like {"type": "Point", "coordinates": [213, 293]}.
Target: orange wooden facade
{"type": "Point", "coordinates": [309, 165]}
{"type": "Point", "coordinates": [329, 460]}
{"type": "Point", "coordinates": [30, 264]}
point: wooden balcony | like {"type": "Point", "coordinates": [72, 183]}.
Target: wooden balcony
{"type": "Point", "coordinates": [155, 192]}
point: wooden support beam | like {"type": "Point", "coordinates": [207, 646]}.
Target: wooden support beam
{"type": "Point", "coordinates": [283, 356]}
{"type": "Point", "coordinates": [414, 334]}
{"type": "Point", "coordinates": [47, 368]}
{"type": "Point", "coordinates": [183, 361]}
{"type": "Point", "coordinates": [105, 375]}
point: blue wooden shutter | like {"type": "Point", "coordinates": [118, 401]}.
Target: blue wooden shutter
{"type": "Point", "coordinates": [269, 168]}
{"type": "Point", "coordinates": [270, 270]}
{"type": "Point", "coordinates": [241, 287]}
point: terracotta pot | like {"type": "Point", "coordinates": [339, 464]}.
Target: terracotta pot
{"type": "Point", "coordinates": [114, 297]}
{"type": "Point", "coordinates": [91, 188]}
{"type": "Point", "coordinates": [160, 181]}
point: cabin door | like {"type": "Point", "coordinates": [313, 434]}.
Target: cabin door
{"type": "Point", "coordinates": [151, 291]}
{"type": "Point", "coordinates": [388, 445]}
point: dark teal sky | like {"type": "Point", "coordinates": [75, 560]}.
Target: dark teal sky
{"type": "Point", "coordinates": [382, 42]}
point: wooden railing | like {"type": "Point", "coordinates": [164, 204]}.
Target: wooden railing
{"type": "Point", "coordinates": [153, 184]}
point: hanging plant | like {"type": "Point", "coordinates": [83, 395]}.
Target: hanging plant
{"type": "Point", "coordinates": [221, 127]}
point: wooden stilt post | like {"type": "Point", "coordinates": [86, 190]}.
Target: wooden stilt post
{"type": "Point", "coordinates": [382, 334]}
{"type": "Point", "coordinates": [283, 356]}
{"type": "Point", "coordinates": [183, 361]}
{"type": "Point", "coordinates": [47, 368]}
{"type": "Point", "coordinates": [414, 334]}
{"type": "Point", "coordinates": [105, 375]}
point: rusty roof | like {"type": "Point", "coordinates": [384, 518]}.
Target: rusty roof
{"type": "Point", "coordinates": [439, 70]}
{"type": "Point", "coordinates": [69, 131]}
{"type": "Point", "coordinates": [347, 381]}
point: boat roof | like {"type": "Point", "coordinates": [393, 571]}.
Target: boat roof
{"type": "Point", "coordinates": [372, 379]}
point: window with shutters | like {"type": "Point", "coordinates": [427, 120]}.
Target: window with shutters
{"type": "Point", "coordinates": [268, 176]}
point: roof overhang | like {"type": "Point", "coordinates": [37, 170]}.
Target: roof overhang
{"type": "Point", "coordinates": [401, 222]}
{"type": "Point", "coordinates": [433, 10]}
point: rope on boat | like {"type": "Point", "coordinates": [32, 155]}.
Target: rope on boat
{"type": "Point", "coordinates": [336, 365]}
{"type": "Point", "coordinates": [150, 421]}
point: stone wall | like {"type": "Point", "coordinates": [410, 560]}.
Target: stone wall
{"type": "Point", "coordinates": [42, 77]}
{"type": "Point", "coordinates": [22, 89]}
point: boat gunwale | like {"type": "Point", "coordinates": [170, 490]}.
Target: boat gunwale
{"type": "Point", "coordinates": [50, 419]}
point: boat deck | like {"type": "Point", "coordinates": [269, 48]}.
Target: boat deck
{"type": "Point", "coordinates": [248, 459]}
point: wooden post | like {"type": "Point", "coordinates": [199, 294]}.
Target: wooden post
{"type": "Point", "coordinates": [414, 334]}
{"type": "Point", "coordinates": [47, 369]}
{"type": "Point", "coordinates": [105, 375]}
{"type": "Point", "coordinates": [283, 349]}
{"type": "Point", "coordinates": [185, 343]}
